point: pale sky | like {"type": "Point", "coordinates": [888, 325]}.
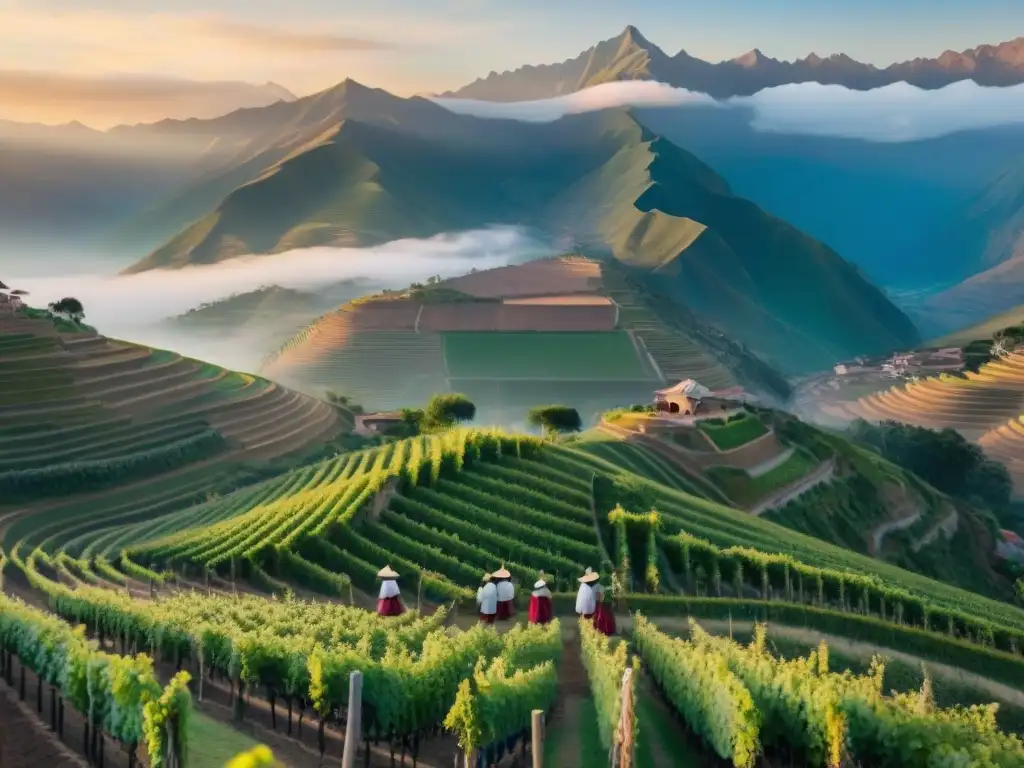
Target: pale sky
{"type": "Point", "coordinates": [410, 46]}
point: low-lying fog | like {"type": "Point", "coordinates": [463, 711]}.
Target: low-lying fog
{"type": "Point", "coordinates": [134, 307]}
{"type": "Point", "coordinates": [897, 112]}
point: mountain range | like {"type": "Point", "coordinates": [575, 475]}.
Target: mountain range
{"type": "Point", "coordinates": [56, 98]}
{"type": "Point", "coordinates": [355, 166]}
{"type": "Point", "coordinates": [631, 56]}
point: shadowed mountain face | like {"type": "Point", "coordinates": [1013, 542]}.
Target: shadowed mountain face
{"type": "Point", "coordinates": [360, 167]}
{"type": "Point", "coordinates": [630, 56]}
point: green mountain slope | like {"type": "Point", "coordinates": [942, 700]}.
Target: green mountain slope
{"type": "Point", "coordinates": [991, 232]}
{"type": "Point", "coordinates": [602, 180]}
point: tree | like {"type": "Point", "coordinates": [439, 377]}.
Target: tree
{"type": "Point", "coordinates": [555, 418]}
{"type": "Point", "coordinates": [69, 307]}
{"type": "Point", "coordinates": [446, 410]}
{"type": "Point", "coordinates": [942, 458]}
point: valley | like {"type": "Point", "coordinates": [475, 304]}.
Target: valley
{"type": "Point", "coordinates": [633, 410]}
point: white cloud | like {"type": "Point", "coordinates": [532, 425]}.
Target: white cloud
{"type": "Point", "coordinates": [635, 93]}
{"type": "Point", "coordinates": [898, 112]}
{"type": "Point", "coordinates": [129, 306]}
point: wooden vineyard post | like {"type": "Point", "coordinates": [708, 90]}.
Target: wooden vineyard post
{"type": "Point", "coordinates": [354, 724]}
{"type": "Point", "coordinates": [351, 595]}
{"type": "Point", "coordinates": [419, 594]}
{"type": "Point", "coordinates": [622, 753]}
{"type": "Point", "coordinates": [537, 734]}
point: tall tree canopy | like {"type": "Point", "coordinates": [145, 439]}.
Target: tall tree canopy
{"type": "Point", "coordinates": [942, 458]}
{"type": "Point", "coordinates": [555, 418]}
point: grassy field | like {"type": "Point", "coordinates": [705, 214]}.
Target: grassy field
{"type": "Point", "coordinates": [543, 356]}
{"type": "Point", "coordinates": [744, 489]}
{"type": "Point", "coordinates": [737, 431]}
{"type": "Point", "coordinates": [212, 744]}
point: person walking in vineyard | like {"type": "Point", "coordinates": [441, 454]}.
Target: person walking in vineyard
{"type": "Point", "coordinates": [604, 619]}
{"type": "Point", "coordinates": [506, 594]}
{"type": "Point", "coordinates": [389, 601]}
{"type": "Point", "coordinates": [541, 611]}
{"type": "Point", "coordinates": [487, 599]}
{"type": "Point", "coordinates": [585, 600]}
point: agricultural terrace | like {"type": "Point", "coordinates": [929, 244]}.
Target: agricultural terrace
{"type": "Point", "coordinates": [675, 351]}
{"type": "Point", "coordinates": [984, 406]}
{"type": "Point", "coordinates": [82, 412]}
{"type": "Point", "coordinates": [738, 430]}
{"type": "Point", "coordinates": [1006, 444]}
{"type": "Point", "coordinates": [432, 514]}
{"type": "Point", "coordinates": [391, 350]}
{"type": "Point", "coordinates": [549, 356]}
{"type": "Point", "coordinates": [563, 275]}
{"type": "Point", "coordinates": [442, 509]}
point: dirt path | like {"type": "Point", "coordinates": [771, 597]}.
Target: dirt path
{"type": "Point", "coordinates": [849, 647]}
{"type": "Point", "coordinates": [573, 687]}
{"type": "Point", "coordinates": [947, 525]}
{"type": "Point", "coordinates": [877, 535]}
{"type": "Point", "coordinates": [25, 742]}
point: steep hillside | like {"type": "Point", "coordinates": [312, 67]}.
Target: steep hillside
{"type": "Point", "coordinates": [778, 468]}
{"type": "Point", "coordinates": [602, 180]}
{"type": "Point", "coordinates": [81, 413]}
{"type": "Point", "coordinates": [990, 230]}
{"type": "Point", "coordinates": [630, 56]}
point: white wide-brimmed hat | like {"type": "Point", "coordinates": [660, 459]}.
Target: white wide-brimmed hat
{"type": "Point", "coordinates": [589, 576]}
{"type": "Point", "coordinates": [386, 573]}
{"type": "Point", "coordinates": [502, 573]}
{"type": "Point", "coordinates": [487, 577]}
{"type": "Point", "coordinates": [540, 584]}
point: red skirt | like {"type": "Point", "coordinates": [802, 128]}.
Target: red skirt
{"type": "Point", "coordinates": [506, 609]}
{"type": "Point", "coordinates": [487, 618]}
{"type": "Point", "coordinates": [604, 621]}
{"type": "Point", "coordinates": [540, 610]}
{"type": "Point", "coordinates": [390, 606]}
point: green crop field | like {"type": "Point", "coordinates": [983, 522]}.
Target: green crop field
{"type": "Point", "coordinates": [607, 356]}
{"type": "Point", "coordinates": [734, 433]}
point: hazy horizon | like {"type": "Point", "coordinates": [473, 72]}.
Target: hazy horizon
{"type": "Point", "coordinates": [55, 54]}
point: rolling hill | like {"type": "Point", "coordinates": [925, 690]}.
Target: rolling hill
{"type": "Point", "coordinates": [81, 413]}
{"type": "Point", "coordinates": [630, 56]}
{"type": "Point", "coordinates": [571, 330]}
{"type": "Point", "coordinates": [667, 215]}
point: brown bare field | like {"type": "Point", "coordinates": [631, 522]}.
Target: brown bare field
{"type": "Point", "coordinates": [562, 300]}
{"type": "Point", "coordinates": [547, 276]}
{"type": "Point", "coordinates": [517, 317]}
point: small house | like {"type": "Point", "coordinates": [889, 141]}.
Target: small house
{"type": "Point", "coordinates": [376, 423]}
{"type": "Point", "coordinates": [1010, 547]}
{"type": "Point", "coordinates": [691, 398]}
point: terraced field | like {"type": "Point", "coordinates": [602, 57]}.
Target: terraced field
{"type": "Point", "coordinates": [442, 509]}
{"type": "Point", "coordinates": [677, 356]}
{"type": "Point", "coordinates": [80, 413]}
{"type": "Point", "coordinates": [985, 407]}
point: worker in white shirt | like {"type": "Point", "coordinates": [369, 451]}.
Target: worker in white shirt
{"type": "Point", "coordinates": [487, 599]}
{"type": "Point", "coordinates": [389, 600]}
{"type": "Point", "coordinates": [586, 602]}
{"type": "Point", "coordinates": [506, 594]}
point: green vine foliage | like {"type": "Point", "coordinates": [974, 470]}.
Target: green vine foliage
{"type": "Point", "coordinates": [742, 700]}
{"type": "Point", "coordinates": [606, 664]}
{"type": "Point", "coordinates": [165, 724]}
{"type": "Point", "coordinates": [115, 692]}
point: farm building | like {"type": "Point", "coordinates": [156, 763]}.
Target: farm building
{"type": "Point", "coordinates": [690, 397]}
{"type": "Point", "coordinates": [376, 423]}
{"type": "Point", "coordinates": [1010, 547]}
